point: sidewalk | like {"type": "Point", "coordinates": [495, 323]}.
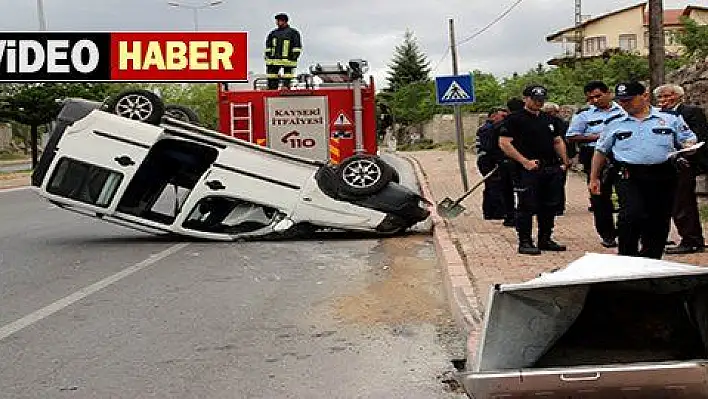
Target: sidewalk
{"type": "Point", "coordinates": [475, 253]}
{"type": "Point", "coordinates": [14, 180]}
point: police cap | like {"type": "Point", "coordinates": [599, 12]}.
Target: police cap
{"type": "Point", "coordinates": [627, 90]}
{"type": "Point", "coordinates": [281, 17]}
{"type": "Point", "coordinates": [537, 92]}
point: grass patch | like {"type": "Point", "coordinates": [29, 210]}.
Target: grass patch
{"type": "Point", "coordinates": [5, 156]}
{"type": "Point", "coordinates": [14, 175]}
{"type": "Point", "coordinates": [703, 209]}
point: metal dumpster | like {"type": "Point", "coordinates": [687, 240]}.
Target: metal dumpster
{"type": "Point", "coordinates": [605, 326]}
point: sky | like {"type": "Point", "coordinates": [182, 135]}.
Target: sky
{"type": "Point", "coordinates": [339, 31]}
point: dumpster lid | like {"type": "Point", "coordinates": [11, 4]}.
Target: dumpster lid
{"type": "Point", "coordinates": [598, 268]}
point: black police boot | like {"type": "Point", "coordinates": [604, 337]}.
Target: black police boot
{"type": "Point", "coordinates": [547, 244]}
{"type": "Point", "coordinates": [526, 247]}
{"type": "Point", "coordinates": [682, 249]}
{"type": "Point", "coordinates": [610, 242]}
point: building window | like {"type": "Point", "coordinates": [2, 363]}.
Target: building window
{"type": "Point", "coordinates": [670, 38]}
{"type": "Point", "coordinates": [594, 45]}
{"type": "Point", "coordinates": [628, 42]}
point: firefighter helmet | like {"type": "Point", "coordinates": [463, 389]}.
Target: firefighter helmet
{"type": "Point", "coordinates": [282, 17]}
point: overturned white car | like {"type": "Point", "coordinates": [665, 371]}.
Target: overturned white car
{"type": "Point", "coordinates": [166, 175]}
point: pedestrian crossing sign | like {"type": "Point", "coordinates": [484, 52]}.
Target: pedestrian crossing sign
{"type": "Point", "coordinates": [454, 89]}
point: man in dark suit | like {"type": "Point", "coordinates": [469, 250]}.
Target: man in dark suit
{"type": "Point", "coordinates": [685, 212]}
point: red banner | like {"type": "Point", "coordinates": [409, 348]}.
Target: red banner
{"type": "Point", "coordinates": [179, 56]}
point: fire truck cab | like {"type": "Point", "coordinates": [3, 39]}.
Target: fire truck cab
{"type": "Point", "coordinates": [327, 116]}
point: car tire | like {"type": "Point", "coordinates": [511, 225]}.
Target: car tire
{"type": "Point", "coordinates": [182, 113]}
{"type": "Point", "coordinates": [362, 175]}
{"type": "Point", "coordinates": [138, 104]}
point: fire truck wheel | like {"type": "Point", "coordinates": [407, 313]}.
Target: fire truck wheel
{"type": "Point", "coordinates": [363, 175]}
{"type": "Point", "coordinates": [182, 113]}
{"type": "Point", "coordinates": [138, 104]}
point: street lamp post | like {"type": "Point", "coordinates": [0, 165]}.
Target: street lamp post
{"type": "Point", "coordinates": [195, 9]}
{"type": "Point", "coordinates": [40, 15]}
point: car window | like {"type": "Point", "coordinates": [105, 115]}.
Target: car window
{"type": "Point", "coordinates": [84, 182]}
{"type": "Point", "coordinates": [229, 216]}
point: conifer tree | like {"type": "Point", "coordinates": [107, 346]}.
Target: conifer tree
{"type": "Point", "coordinates": [408, 65]}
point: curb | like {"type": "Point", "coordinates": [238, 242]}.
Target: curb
{"type": "Point", "coordinates": [13, 162]}
{"type": "Point", "coordinates": [458, 286]}
{"type": "Point", "coordinates": [15, 188]}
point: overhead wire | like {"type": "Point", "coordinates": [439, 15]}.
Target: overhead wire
{"type": "Point", "coordinates": [479, 32]}
{"type": "Point", "coordinates": [489, 25]}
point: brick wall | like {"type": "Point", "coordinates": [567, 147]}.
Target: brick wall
{"type": "Point", "coordinates": [442, 128]}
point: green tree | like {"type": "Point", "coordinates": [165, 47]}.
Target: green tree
{"type": "Point", "coordinates": [694, 38]}
{"type": "Point", "coordinates": [36, 104]}
{"type": "Point", "coordinates": [408, 65]}
{"type": "Point", "coordinates": [200, 97]}
{"type": "Point", "coordinates": [414, 103]}
{"type": "Point", "coordinates": [488, 91]}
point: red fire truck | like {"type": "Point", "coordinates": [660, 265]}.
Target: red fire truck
{"type": "Point", "coordinates": [329, 115]}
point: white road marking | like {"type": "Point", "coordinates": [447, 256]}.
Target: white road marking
{"type": "Point", "coordinates": [9, 190]}
{"type": "Point", "coordinates": [46, 311]}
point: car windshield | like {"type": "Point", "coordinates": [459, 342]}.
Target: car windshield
{"type": "Point", "coordinates": [84, 182]}
{"type": "Point", "coordinates": [228, 215]}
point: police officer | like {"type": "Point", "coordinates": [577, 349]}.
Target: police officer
{"type": "Point", "coordinates": [283, 48]}
{"type": "Point", "coordinates": [585, 129]}
{"type": "Point", "coordinates": [641, 143]}
{"type": "Point", "coordinates": [533, 139]}
{"type": "Point", "coordinates": [498, 194]}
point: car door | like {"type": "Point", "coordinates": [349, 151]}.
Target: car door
{"type": "Point", "coordinates": [244, 181]}
{"type": "Point", "coordinates": [96, 159]}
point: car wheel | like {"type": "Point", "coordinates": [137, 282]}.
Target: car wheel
{"type": "Point", "coordinates": [361, 175]}
{"type": "Point", "coordinates": [182, 113]}
{"type": "Point", "coordinates": [140, 105]}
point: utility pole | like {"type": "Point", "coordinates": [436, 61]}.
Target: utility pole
{"type": "Point", "coordinates": [458, 113]}
{"type": "Point", "coordinates": [657, 53]}
{"type": "Point", "coordinates": [578, 33]}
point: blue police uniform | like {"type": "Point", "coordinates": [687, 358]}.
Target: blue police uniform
{"type": "Point", "coordinates": [588, 122]}
{"type": "Point", "coordinates": [591, 121]}
{"type": "Point", "coordinates": [646, 177]}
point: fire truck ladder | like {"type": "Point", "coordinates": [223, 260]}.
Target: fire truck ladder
{"type": "Point", "coordinates": [239, 114]}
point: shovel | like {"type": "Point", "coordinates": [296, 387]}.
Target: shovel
{"type": "Point", "coordinates": [449, 208]}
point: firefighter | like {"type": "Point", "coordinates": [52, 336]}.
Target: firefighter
{"type": "Point", "coordinates": [641, 142]}
{"type": "Point", "coordinates": [283, 48]}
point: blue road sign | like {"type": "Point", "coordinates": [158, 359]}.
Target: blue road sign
{"type": "Point", "coordinates": [454, 89]}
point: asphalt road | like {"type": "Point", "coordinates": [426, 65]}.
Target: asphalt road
{"type": "Point", "coordinates": [89, 310]}
{"type": "Point", "coordinates": [15, 167]}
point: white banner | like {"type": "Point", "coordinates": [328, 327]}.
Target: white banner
{"type": "Point", "coordinates": [299, 126]}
